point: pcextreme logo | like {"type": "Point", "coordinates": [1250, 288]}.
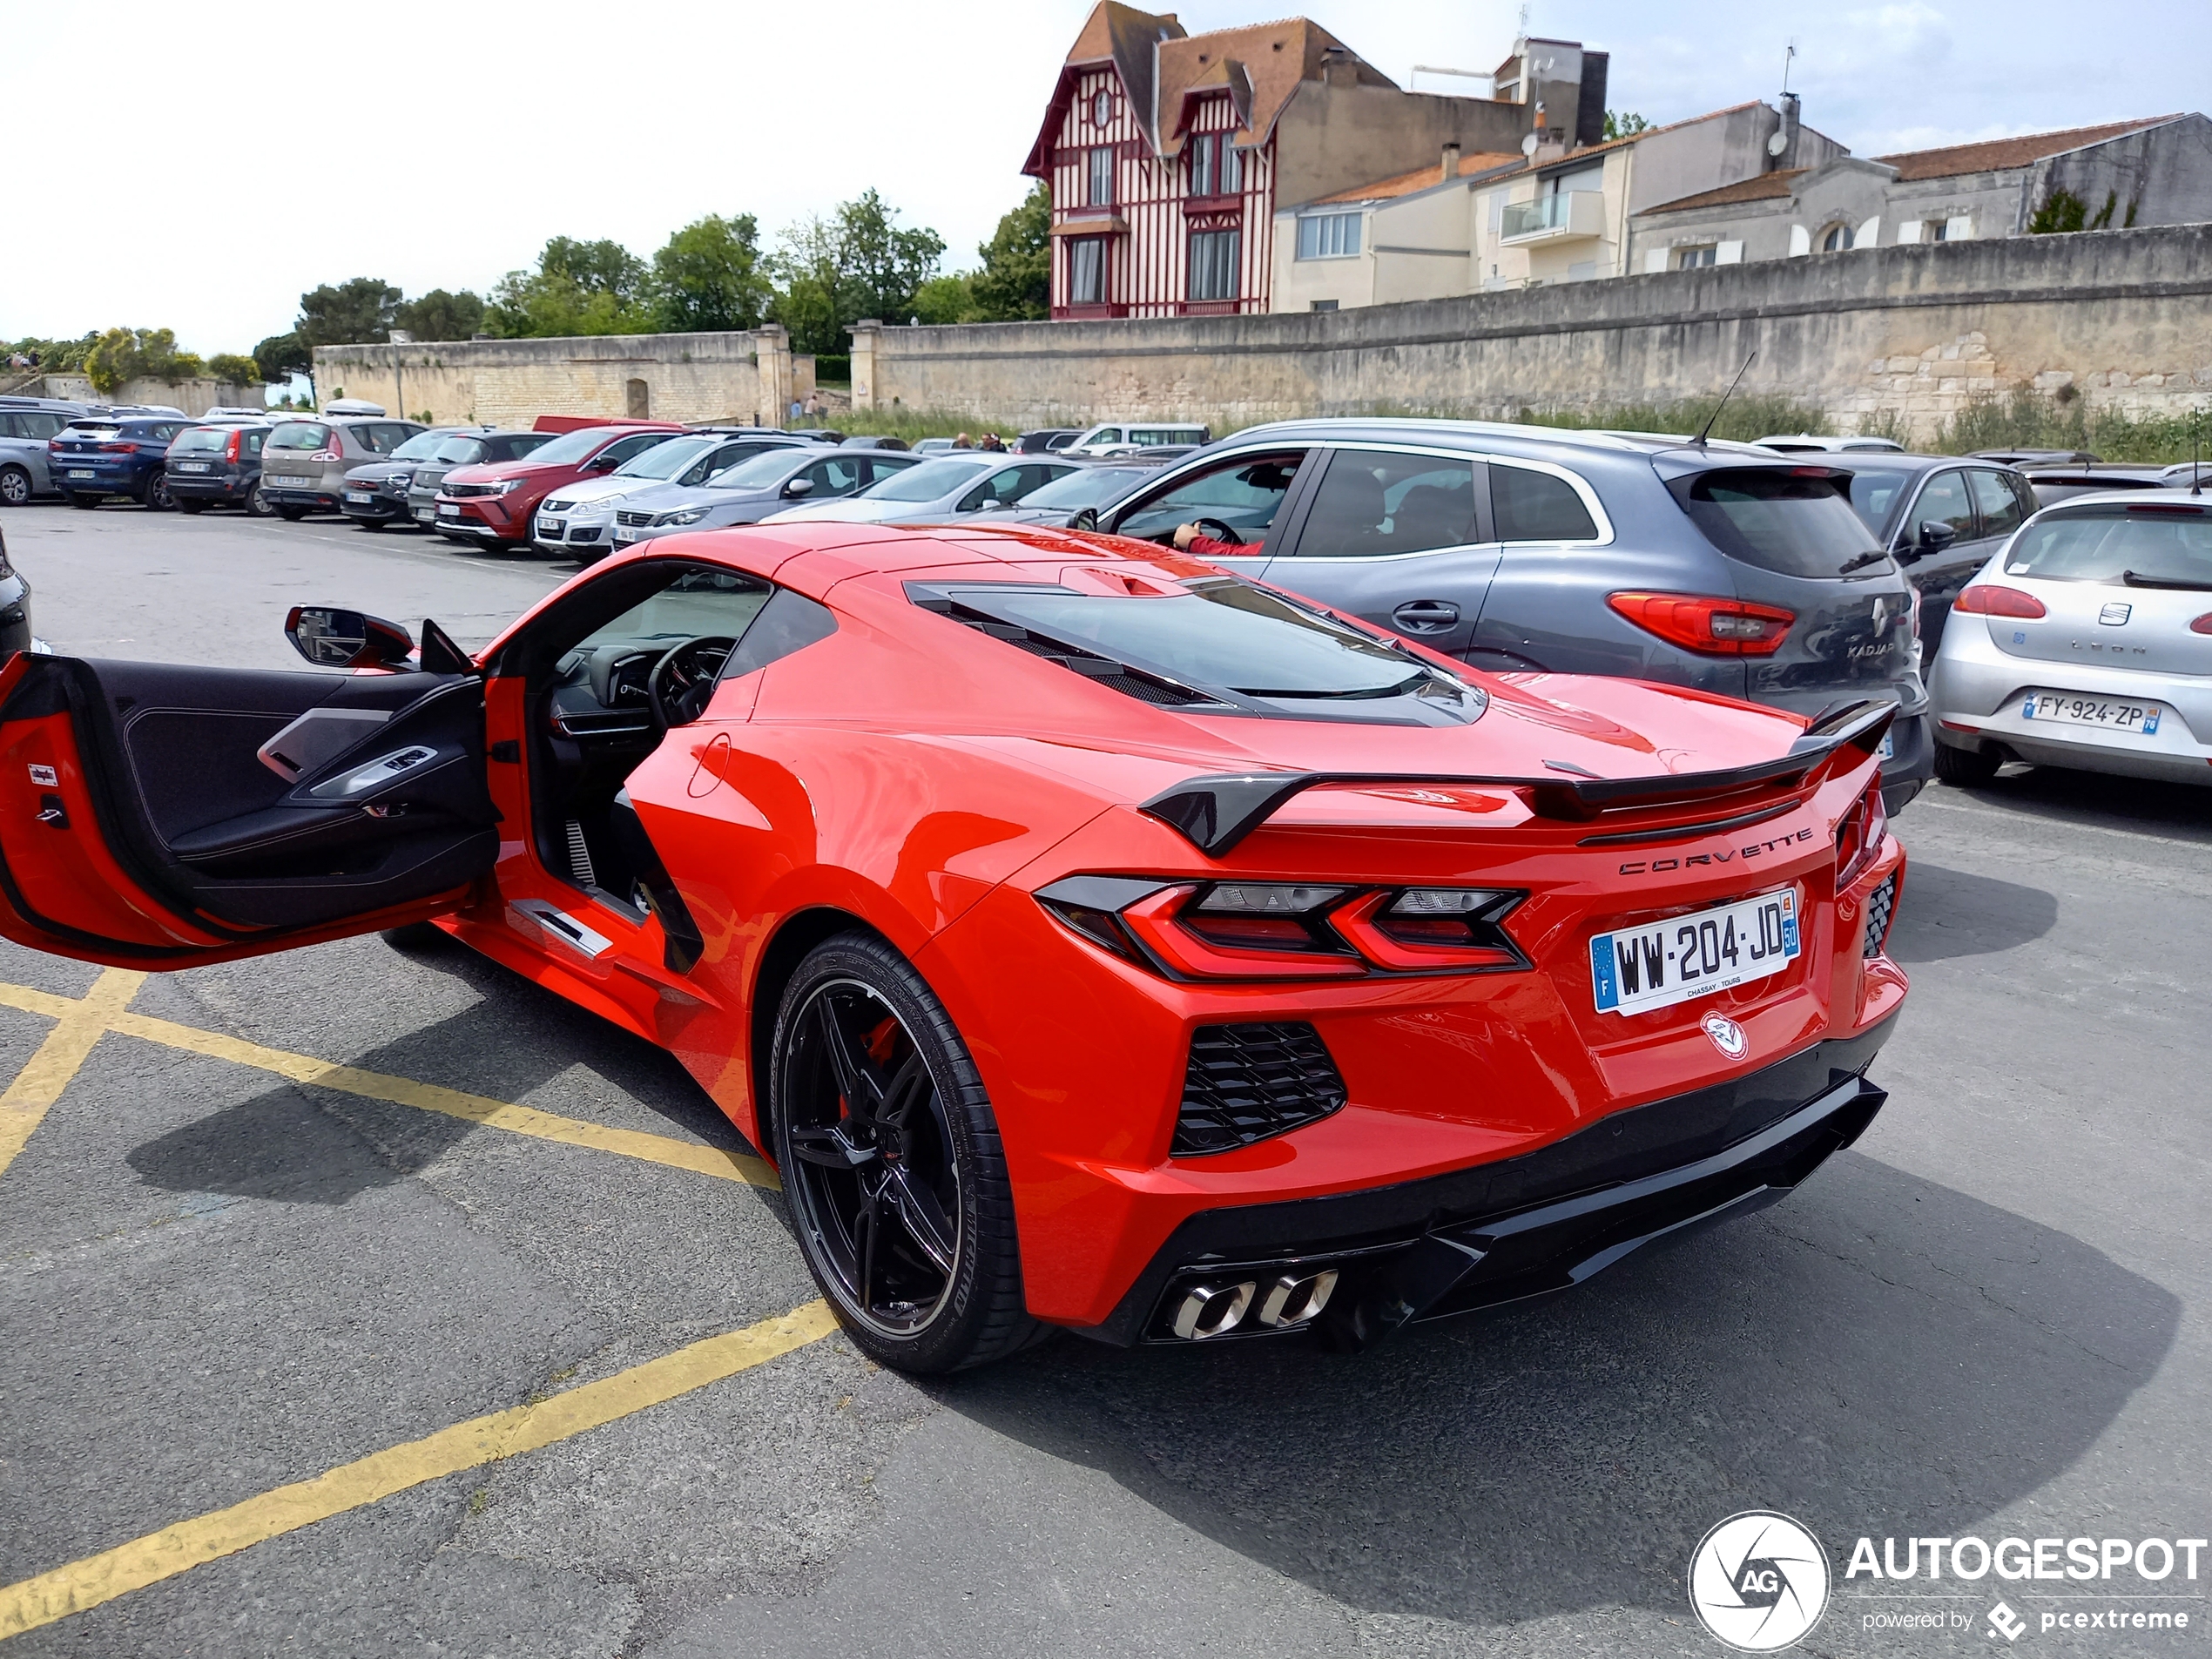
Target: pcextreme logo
{"type": "Point", "coordinates": [1758, 1582]}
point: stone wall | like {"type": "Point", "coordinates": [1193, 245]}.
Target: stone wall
{"type": "Point", "coordinates": [740, 376]}
{"type": "Point", "coordinates": [1914, 333]}
{"type": "Point", "coordinates": [194, 397]}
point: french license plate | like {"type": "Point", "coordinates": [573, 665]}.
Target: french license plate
{"type": "Point", "coordinates": [288, 481]}
{"type": "Point", "coordinates": [424, 515]}
{"type": "Point", "coordinates": [358, 497]}
{"type": "Point", "coordinates": [447, 509]}
{"type": "Point", "coordinates": [1637, 968]}
{"type": "Point", "coordinates": [80, 472]}
{"type": "Point", "coordinates": [195, 466]}
{"type": "Point", "coordinates": [622, 536]}
{"type": "Point", "coordinates": [552, 527]}
{"type": "Point", "coordinates": [2109, 714]}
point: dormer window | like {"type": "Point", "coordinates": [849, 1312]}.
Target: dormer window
{"type": "Point", "coordinates": [1215, 168]}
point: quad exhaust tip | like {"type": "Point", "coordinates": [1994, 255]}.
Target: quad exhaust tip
{"type": "Point", "coordinates": [1215, 1310]}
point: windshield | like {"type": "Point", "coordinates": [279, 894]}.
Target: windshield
{"type": "Point", "coordinates": [572, 447]}
{"type": "Point", "coordinates": [299, 435]}
{"type": "Point", "coordinates": [756, 472]}
{"type": "Point", "coordinates": [458, 452]}
{"type": "Point", "coordinates": [926, 482]}
{"type": "Point", "coordinates": [1791, 522]}
{"type": "Point", "coordinates": [423, 445]}
{"type": "Point", "coordinates": [2156, 544]}
{"type": "Point", "coordinates": [201, 438]}
{"type": "Point", "coordinates": [1220, 632]}
{"type": "Point", "coordinates": [1875, 492]}
{"type": "Point", "coordinates": [1092, 487]}
{"type": "Point", "coordinates": [665, 460]}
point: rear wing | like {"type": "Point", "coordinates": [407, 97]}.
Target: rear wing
{"type": "Point", "coordinates": [1214, 814]}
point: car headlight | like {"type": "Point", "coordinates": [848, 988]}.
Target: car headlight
{"type": "Point", "coordinates": [506, 487]}
{"type": "Point", "coordinates": [682, 516]}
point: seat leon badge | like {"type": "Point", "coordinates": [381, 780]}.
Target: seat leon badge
{"type": "Point", "coordinates": [2115, 616]}
{"type": "Point", "coordinates": [1727, 1035]}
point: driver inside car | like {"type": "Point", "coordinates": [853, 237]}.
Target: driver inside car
{"type": "Point", "coordinates": [1189, 538]}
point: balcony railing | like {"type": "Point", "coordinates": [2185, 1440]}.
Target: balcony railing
{"type": "Point", "coordinates": [1571, 215]}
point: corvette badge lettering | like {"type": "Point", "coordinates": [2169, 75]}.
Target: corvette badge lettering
{"type": "Point", "coordinates": [1657, 866]}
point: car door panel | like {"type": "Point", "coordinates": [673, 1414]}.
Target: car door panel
{"type": "Point", "coordinates": [139, 824]}
{"type": "Point", "coordinates": [1398, 539]}
{"type": "Point", "coordinates": [1943, 498]}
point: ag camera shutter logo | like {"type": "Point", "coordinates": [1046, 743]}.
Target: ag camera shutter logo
{"type": "Point", "coordinates": [1759, 1581]}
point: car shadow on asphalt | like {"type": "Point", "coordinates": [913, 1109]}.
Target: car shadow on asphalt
{"type": "Point", "coordinates": [1878, 1355]}
{"type": "Point", "coordinates": [305, 1145]}
{"type": "Point", "coordinates": [1949, 912]}
{"type": "Point", "coordinates": [2062, 796]}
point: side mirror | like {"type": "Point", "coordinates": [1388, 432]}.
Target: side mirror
{"type": "Point", "coordinates": [797, 487]}
{"type": "Point", "coordinates": [1086, 518]}
{"type": "Point", "coordinates": [601, 463]}
{"type": "Point", "coordinates": [993, 505]}
{"type": "Point", "coordinates": [332, 638]}
{"type": "Point", "coordinates": [1935, 536]}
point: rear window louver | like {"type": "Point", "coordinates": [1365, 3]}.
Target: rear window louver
{"type": "Point", "coordinates": [1145, 688]}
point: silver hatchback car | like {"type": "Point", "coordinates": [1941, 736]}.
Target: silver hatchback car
{"type": "Point", "coordinates": [305, 462]}
{"type": "Point", "coordinates": [2086, 642]}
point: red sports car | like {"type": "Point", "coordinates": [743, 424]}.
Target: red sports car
{"type": "Point", "coordinates": [1092, 938]}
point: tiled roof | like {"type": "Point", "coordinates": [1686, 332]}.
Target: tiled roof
{"type": "Point", "coordinates": [1765, 186]}
{"type": "Point", "coordinates": [1993, 155]}
{"type": "Point", "coordinates": [1275, 56]}
{"type": "Point", "coordinates": [1420, 179]}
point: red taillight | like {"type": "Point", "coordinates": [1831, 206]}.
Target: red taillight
{"type": "Point", "coordinates": [234, 443]}
{"type": "Point", "coordinates": [1710, 626]}
{"type": "Point", "coordinates": [1859, 837]}
{"type": "Point", "coordinates": [119, 448]}
{"type": "Point", "coordinates": [2203, 624]}
{"type": "Point", "coordinates": [1987, 599]}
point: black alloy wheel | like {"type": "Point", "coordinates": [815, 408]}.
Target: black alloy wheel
{"type": "Point", "coordinates": [156, 494]}
{"type": "Point", "coordinates": [15, 487]}
{"type": "Point", "coordinates": [258, 504]}
{"type": "Point", "coordinates": [892, 1164]}
{"type": "Point", "coordinates": [83, 503]}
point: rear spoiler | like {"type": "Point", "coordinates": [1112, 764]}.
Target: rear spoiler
{"type": "Point", "coordinates": [1214, 814]}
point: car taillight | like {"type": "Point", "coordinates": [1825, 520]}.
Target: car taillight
{"type": "Point", "coordinates": [233, 445]}
{"type": "Point", "coordinates": [1859, 837]}
{"type": "Point", "coordinates": [119, 448]}
{"type": "Point", "coordinates": [1987, 599]}
{"type": "Point", "coordinates": [1707, 625]}
{"type": "Point", "coordinates": [2203, 624]}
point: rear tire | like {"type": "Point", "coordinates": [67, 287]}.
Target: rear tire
{"type": "Point", "coordinates": [257, 502]}
{"type": "Point", "coordinates": [873, 1227]}
{"type": "Point", "coordinates": [155, 497]}
{"type": "Point", "coordinates": [1965, 768]}
{"type": "Point", "coordinates": [83, 503]}
{"type": "Point", "coordinates": [15, 487]}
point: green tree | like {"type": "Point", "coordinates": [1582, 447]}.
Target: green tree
{"type": "Point", "coordinates": [441, 315]}
{"type": "Point", "coordinates": [233, 370]}
{"type": "Point", "coordinates": [123, 354]}
{"type": "Point", "coordinates": [2062, 211]}
{"type": "Point", "coordinates": [1015, 282]}
{"type": "Point", "coordinates": [353, 312]}
{"type": "Point", "coordinates": [54, 356]}
{"type": "Point", "coordinates": [578, 288]}
{"type": "Point", "coordinates": [709, 276]}
{"type": "Point", "coordinates": [948, 298]}
{"type": "Point", "coordinates": [280, 356]}
{"type": "Point", "coordinates": [1623, 124]}
{"type": "Point", "coordinates": [857, 263]}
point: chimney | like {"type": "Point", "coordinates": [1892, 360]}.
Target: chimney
{"type": "Point", "coordinates": [1451, 161]}
{"type": "Point", "coordinates": [1337, 68]}
{"type": "Point", "coordinates": [1782, 148]}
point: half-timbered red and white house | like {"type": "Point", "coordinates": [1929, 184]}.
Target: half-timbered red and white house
{"type": "Point", "coordinates": [1166, 153]}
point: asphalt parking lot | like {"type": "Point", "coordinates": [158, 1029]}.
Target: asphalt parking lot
{"type": "Point", "coordinates": [426, 1314]}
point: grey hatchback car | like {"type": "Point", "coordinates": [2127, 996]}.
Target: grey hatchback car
{"type": "Point", "coordinates": [1526, 550]}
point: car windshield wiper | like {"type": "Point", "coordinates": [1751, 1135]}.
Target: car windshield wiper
{"type": "Point", "coordinates": [1861, 562]}
{"type": "Point", "coordinates": [1400, 689]}
{"type": "Point", "coordinates": [2135, 579]}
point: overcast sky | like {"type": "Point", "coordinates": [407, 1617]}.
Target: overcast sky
{"type": "Point", "coordinates": [201, 168]}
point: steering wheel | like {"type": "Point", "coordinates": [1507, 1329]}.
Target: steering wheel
{"type": "Point", "coordinates": [680, 683]}
{"type": "Point", "coordinates": [1218, 529]}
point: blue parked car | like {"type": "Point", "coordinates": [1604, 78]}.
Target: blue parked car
{"type": "Point", "coordinates": [99, 455]}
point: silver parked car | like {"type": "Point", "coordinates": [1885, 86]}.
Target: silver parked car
{"type": "Point", "coordinates": [947, 486]}
{"type": "Point", "coordinates": [2086, 642]}
{"type": "Point", "coordinates": [746, 494]}
{"type": "Point", "coordinates": [24, 427]}
{"type": "Point", "coordinates": [579, 518]}
{"type": "Point", "coordinates": [305, 462]}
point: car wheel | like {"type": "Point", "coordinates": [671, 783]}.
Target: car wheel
{"type": "Point", "coordinates": [292, 514]}
{"type": "Point", "coordinates": [15, 487]}
{"type": "Point", "coordinates": [1965, 768]}
{"type": "Point", "coordinates": [78, 499]}
{"type": "Point", "coordinates": [184, 504]}
{"type": "Point", "coordinates": [258, 504]}
{"type": "Point", "coordinates": [156, 495]}
{"type": "Point", "coordinates": [891, 1161]}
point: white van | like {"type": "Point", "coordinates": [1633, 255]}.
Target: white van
{"type": "Point", "coordinates": [1116, 438]}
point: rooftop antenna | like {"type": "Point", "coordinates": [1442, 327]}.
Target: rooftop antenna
{"type": "Point", "coordinates": [1788, 57]}
{"type": "Point", "coordinates": [2197, 452]}
{"type": "Point", "coordinates": [1707, 430]}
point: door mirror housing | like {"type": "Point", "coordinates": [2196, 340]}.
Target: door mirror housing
{"type": "Point", "coordinates": [1935, 536]}
{"type": "Point", "coordinates": [795, 487]}
{"type": "Point", "coordinates": [1086, 518]}
{"type": "Point", "coordinates": [603, 462]}
{"type": "Point", "coordinates": [330, 637]}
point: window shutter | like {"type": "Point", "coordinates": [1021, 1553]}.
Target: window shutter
{"type": "Point", "coordinates": [1730, 253]}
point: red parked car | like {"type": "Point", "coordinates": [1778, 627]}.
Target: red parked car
{"type": "Point", "coordinates": [492, 505]}
{"type": "Point", "coordinates": [1092, 937]}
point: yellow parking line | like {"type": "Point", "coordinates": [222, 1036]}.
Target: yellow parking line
{"type": "Point", "coordinates": [96, 1579]}
{"type": "Point", "coordinates": [39, 1084]}
{"type": "Point", "coordinates": [84, 1022]}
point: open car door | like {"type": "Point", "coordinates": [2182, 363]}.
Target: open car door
{"type": "Point", "coordinates": [155, 815]}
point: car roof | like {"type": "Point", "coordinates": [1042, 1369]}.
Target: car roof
{"type": "Point", "coordinates": [2162, 498]}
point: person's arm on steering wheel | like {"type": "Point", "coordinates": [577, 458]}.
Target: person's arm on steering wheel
{"type": "Point", "coordinates": [1192, 539]}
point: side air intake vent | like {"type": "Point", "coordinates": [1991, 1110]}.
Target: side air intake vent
{"type": "Point", "coordinates": [1881, 909]}
{"type": "Point", "coordinates": [1246, 1082]}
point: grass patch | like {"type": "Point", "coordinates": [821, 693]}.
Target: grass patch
{"type": "Point", "coordinates": [2034, 421]}
{"type": "Point", "coordinates": [910, 424]}
{"type": "Point", "coordinates": [1743, 419]}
